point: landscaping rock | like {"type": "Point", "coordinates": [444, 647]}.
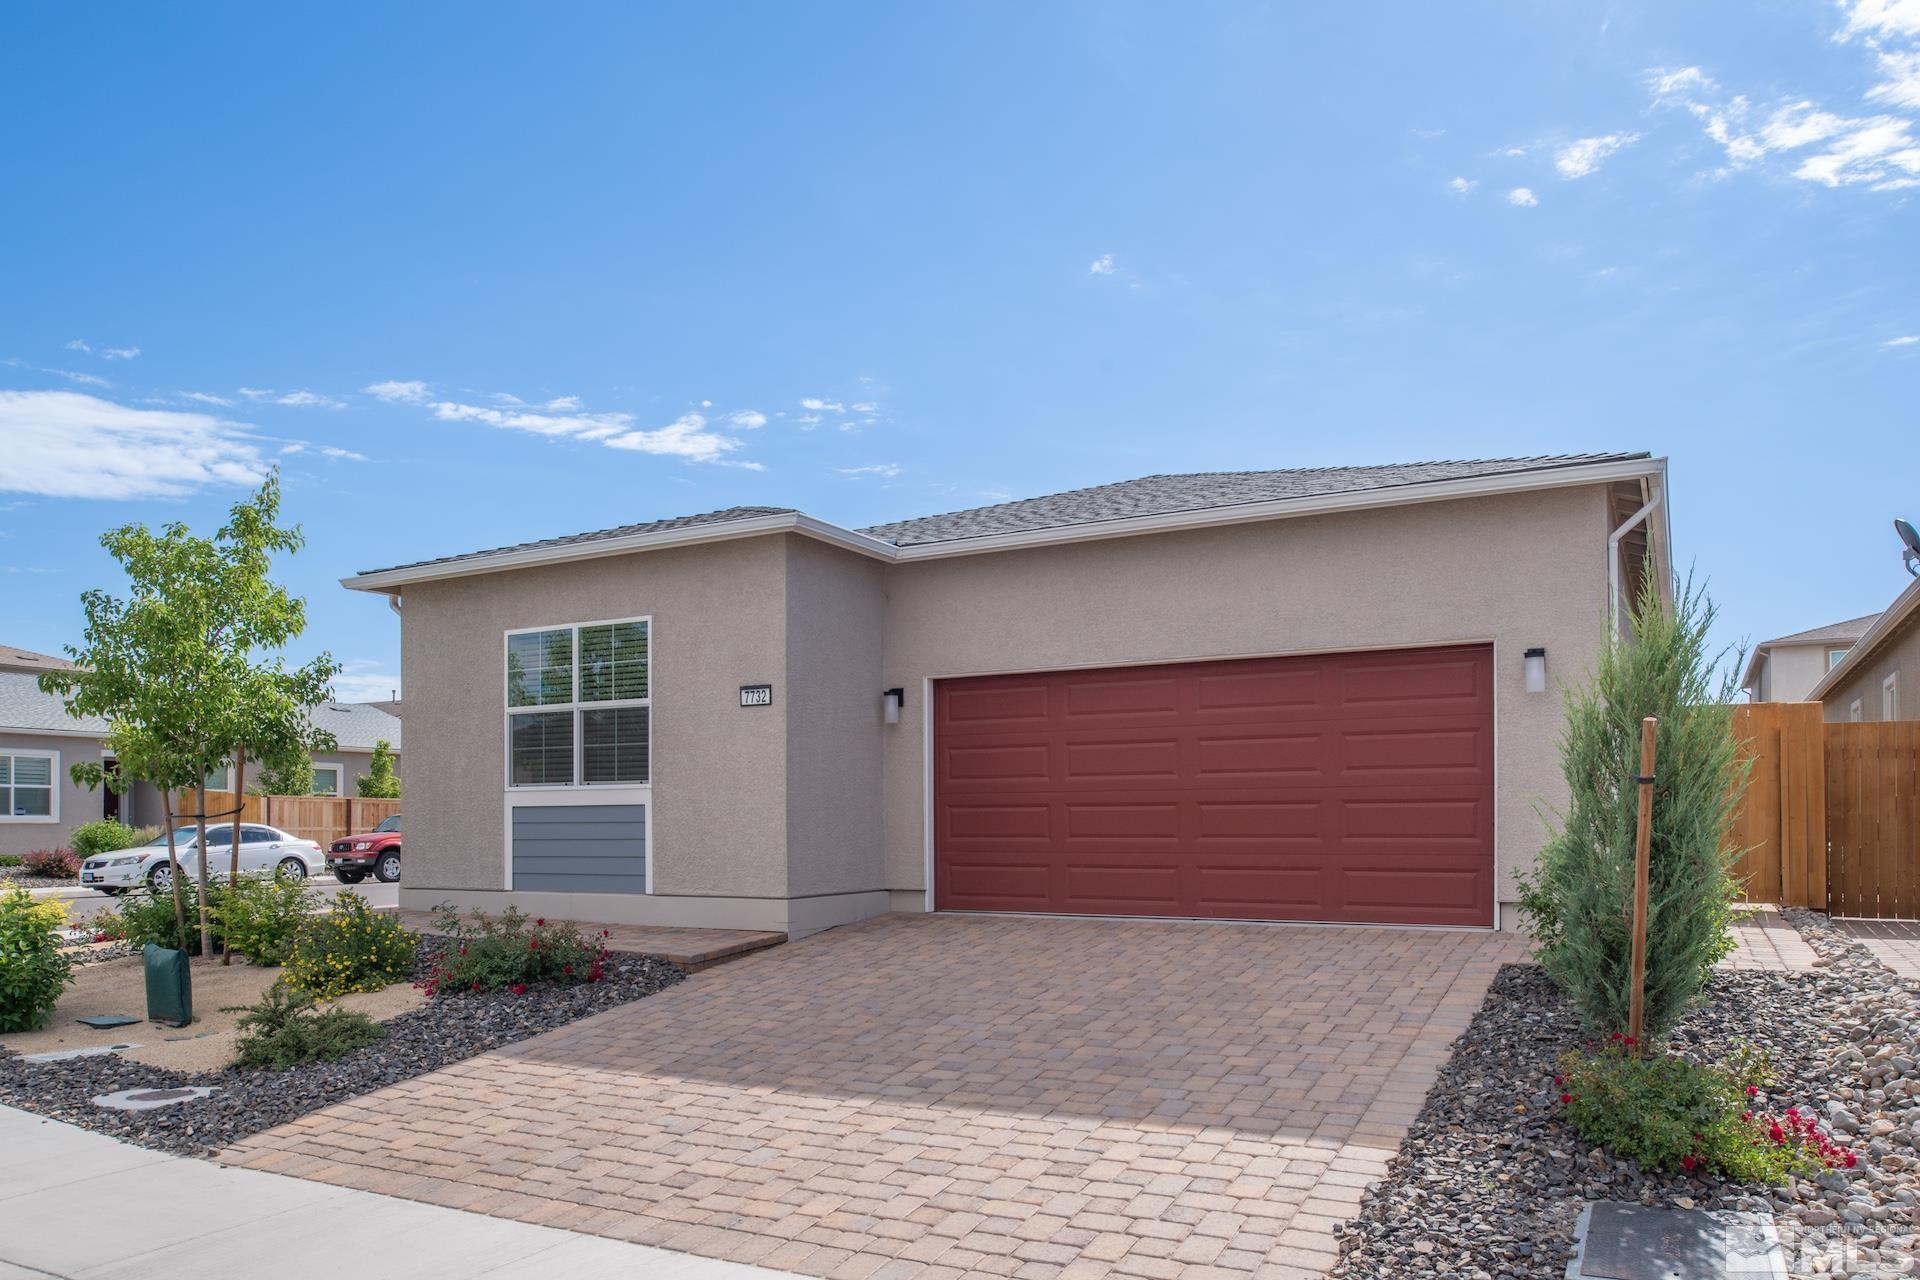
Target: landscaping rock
{"type": "Point", "coordinates": [446, 1029]}
{"type": "Point", "coordinates": [1491, 1179]}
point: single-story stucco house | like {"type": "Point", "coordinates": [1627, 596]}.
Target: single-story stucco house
{"type": "Point", "coordinates": [1277, 695]}
{"type": "Point", "coordinates": [40, 804]}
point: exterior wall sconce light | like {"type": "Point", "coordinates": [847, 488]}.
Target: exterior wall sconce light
{"type": "Point", "coordinates": [1535, 667]}
{"type": "Point", "coordinates": [890, 703]}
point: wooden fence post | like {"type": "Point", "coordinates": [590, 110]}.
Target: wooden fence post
{"type": "Point", "coordinates": [1642, 842]}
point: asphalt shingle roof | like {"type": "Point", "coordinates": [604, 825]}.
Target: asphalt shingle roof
{"type": "Point", "coordinates": [1848, 632]}
{"type": "Point", "coordinates": [23, 706]}
{"type": "Point", "coordinates": [1148, 496]}
{"type": "Point", "coordinates": [621, 531]}
{"type": "Point", "coordinates": [14, 658]}
{"type": "Point", "coordinates": [357, 726]}
{"type": "Point", "coordinates": [1206, 490]}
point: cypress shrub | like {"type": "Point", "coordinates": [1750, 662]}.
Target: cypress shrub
{"type": "Point", "coordinates": [1578, 900]}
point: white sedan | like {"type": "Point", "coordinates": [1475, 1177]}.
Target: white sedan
{"type": "Point", "coordinates": [262, 849]}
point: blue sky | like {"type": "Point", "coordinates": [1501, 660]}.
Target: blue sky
{"type": "Point", "coordinates": [473, 274]}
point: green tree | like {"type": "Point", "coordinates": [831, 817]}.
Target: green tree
{"type": "Point", "coordinates": [379, 782]}
{"type": "Point", "coordinates": [186, 667]}
{"type": "Point", "coordinates": [291, 774]}
{"type": "Point", "coordinates": [1578, 900]}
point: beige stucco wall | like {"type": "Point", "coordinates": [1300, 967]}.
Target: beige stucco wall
{"type": "Point", "coordinates": [835, 608]}
{"type": "Point", "coordinates": [1521, 570]}
{"type": "Point", "coordinates": [719, 784]}
{"type": "Point", "coordinates": [1898, 655]}
{"type": "Point", "coordinates": [1790, 672]}
{"type": "Point", "coordinates": [76, 804]}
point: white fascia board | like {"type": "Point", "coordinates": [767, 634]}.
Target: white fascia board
{"type": "Point", "coordinates": [1903, 607]}
{"type": "Point", "coordinates": [24, 731]}
{"type": "Point", "coordinates": [392, 580]}
{"type": "Point", "coordinates": [692, 535]}
{"type": "Point", "coordinates": [1288, 508]}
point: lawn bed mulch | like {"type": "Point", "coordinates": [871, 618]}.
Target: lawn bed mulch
{"type": "Point", "coordinates": [446, 1029]}
{"type": "Point", "coordinates": [1490, 1180]}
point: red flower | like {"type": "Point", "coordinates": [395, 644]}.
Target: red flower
{"type": "Point", "coordinates": [1565, 1098]}
{"type": "Point", "coordinates": [1753, 1091]}
{"type": "Point", "coordinates": [1851, 1160]}
{"type": "Point", "coordinates": [1558, 1080]}
{"type": "Point", "coordinates": [518, 988]}
{"type": "Point", "coordinates": [1688, 1163]}
{"type": "Point", "coordinates": [1746, 1115]}
{"type": "Point", "coordinates": [533, 944]}
{"type": "Point", "coordinates": [1628, 1041]}
{"type": "Point", "coordinates": [1777, 1133]}
{"type": "Point", "coordinates": [540, 923]}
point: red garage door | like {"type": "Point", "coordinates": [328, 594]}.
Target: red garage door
{"type": "Point", "coordinates": [1351, 787]}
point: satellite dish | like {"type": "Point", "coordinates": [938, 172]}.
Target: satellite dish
{"type": "Point", "coordinates": [1911, 556]}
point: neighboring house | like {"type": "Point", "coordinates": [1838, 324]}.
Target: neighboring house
{"type": "Point", "coordinates": [1879, 679]}
{"type": "Point", "coordinates": [40, 743]}
{"type": "Point", "coordinates": [1284, 695]}
{"type": "Point", "coordinates": [1786, 669]}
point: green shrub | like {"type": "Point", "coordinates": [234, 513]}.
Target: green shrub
{"type": "Point", "coordinates": [143, 915]}
{"type": "Point", "coordinates": [1668, 1112]}
{"type": "Point", "coordinates": [349, 948]}
{"type": "Point", "coordinates": [9, 859]}
{"type": "Point", "coordinates": [33, 968]}
{"type": "Point", "coordinates": [486, 953]}
{"type": "Point", "coordinates": [286, 1030]}
{"type": "Point", "coordinates": [104, 836]}
{"type": "Point", "coordinates": [379, 782]}
{"type": "Point", "coordinates": [259, 915]}
{"type": "Point", "coordinates": [55, 864]}
{"type": "Point", "coordinates": [1578, 899]}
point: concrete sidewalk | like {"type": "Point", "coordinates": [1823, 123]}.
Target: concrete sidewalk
{"type": "Point", "coordinates": [75, 1204]}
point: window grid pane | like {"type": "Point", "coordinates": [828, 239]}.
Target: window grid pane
{"type": "Point", "coordinates": [33, 771]}
{"type": "Point", "coordinates": [540, 668]}
{"type": "Point", "coordinates": [614, 745]}
{"type": "Point", "coordinates": [542, 749]}
{"type": "Point", "coordinates": [613, 662]}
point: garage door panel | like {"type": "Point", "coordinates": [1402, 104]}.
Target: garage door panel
{"type": "Point", "coordinates": [1333, 787]}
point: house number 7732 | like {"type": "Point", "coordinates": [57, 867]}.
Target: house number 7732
{"type": "Point", "coordinates": [756, 695]}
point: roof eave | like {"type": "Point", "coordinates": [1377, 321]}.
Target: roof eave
{"type": "Point", "coordinates": [1903, 607]}
{"type": "Point", "coordinates": [392, 581]}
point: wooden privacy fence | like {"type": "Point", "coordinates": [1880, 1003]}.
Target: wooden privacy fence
{"type": "Point", "coordinates": [1831, 816]}
{"type": "Point", "coordinates": [319, 818]}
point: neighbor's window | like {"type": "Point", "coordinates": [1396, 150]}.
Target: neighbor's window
{"type": "Point", "coordinates": [26, 786]}
{"type": "Point", "coordinates": [220, 779]}
{"type": "Point", "coordinates": [326, 779]}
{"type": "Point", "coordinates": [1834, 656]}
{"type": "Point", "coordinates": [1853, 711]}
{"type": "Point", "coordinates": [591, 685]}
{"type": "Point", "coordinates": [1890, 697]}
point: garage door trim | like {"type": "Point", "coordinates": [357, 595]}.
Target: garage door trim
{"type": "Point", "coordinates": [928, 764]}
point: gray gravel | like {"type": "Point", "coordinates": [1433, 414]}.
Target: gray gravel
{"type": "Point", "coordinates": [1490, 1180]}
{"type": "Point", "coordinates": [446, 1029]}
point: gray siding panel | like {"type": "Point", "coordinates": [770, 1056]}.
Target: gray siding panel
{"type": "Point", "coordinates": [586, 848]}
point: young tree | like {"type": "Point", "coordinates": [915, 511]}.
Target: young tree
{"type": "Point", "coordinates": [179, 667]}
{"type": "Point", "coordinates": [379, 782]}
{"type": "Point", "coordinates": [288, 774]}
{"type": "Point", "coordinates": [1578, 901]}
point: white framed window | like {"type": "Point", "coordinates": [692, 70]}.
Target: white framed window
{"type": "Point", "coordinates": [220, 779]}
{"type": "Point", "coordinates": [326, 779]}
{"type": "Point", "coordinates": [1853, 711]}
{"type": "Point", "coordinates": [579, 705]}
{"type": "Point", "coordinates": [1890, 697]}
{"type": "Point", "coordinates": [1834, 656]}
{"type": "Point", "coordinates": [29, 786]}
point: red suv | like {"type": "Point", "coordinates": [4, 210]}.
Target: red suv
{"type": "Point", "coordinates": [377, 851]}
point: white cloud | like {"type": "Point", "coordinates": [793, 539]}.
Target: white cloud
{"type": "Point", "coordinates": [818, 405]}
{"type": "Point", "coordinates": [364, 680]}
{"type": "Point", "coordinates": [1578, 159]}
{"type": "Point", "coordinates": [1462, 186]}
{"type": "Point", "coordinates": [205, 397]}
{"type": "Point", "coordinates": [866, 406]}
{"type": "Point", "coordinates": [1101, 266]}
{"type": "Point", "coordinates": [252, 393]}
{"type": "Point", "coordinates": [506, 398]}
{"type": "Point", "coordinates": [1901, 88]}
{"type": "Point", "coordinates": [331, 452]}
{"type": "Point", "coordinates": [1904, 340]}
{"type": "Point", "coordinates": [119, 353]}
{"type": "Point", "coordinates": [689, 436]}
{"type": "Point", "coordinates": [747, 419]}
{"type": "Point", "coordinates": [562, 404]}
{"type": "Point", "coordinates": [808, 421]}
{"type": "Point", "coordinates": [84, 379]}
{"type": "Point", "coordinates": [885, 470]}
{"type": "Point", "coordinates": [396, 392]}
{"type": "Point", "coordinates": [1881, 18]}
{"type": "Point", "coordinates": [65, 444]}
{"type": "Point", "coordinates": [1523, 197]}
{"type": "Point", "coordinates": [79, 344]}
{"type": "Point", "coordinates": [1823, 146]}
{"type": "Point", "coordinates": [309, 400]}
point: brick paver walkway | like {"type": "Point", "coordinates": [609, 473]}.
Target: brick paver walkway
{"type": "Point", "coordinates": [1896, 943]}
{"type": "Point", "coordinates": [1765, 941]}
{"type": "Point", "coordinates": [936, 1096]}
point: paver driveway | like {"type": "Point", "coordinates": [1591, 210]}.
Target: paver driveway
{"type": "Point", "coordinates": [935, 1096]}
